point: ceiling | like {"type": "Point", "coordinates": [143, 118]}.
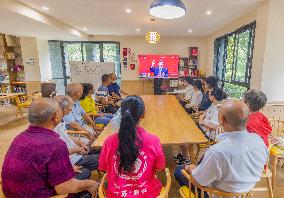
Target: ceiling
{"type": "Point", "coordinates": [108, 17]}
{"type": "Point", "coordinates": [19, 25]}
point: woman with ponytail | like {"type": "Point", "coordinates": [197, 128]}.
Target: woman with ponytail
{"type": "Point", "coordinates": [132, 156]}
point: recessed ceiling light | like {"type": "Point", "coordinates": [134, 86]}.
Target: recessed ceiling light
{"type": "Point", "coordinates": [209, 12]}
{"type": "Point", "coordinates": [128, 10]}
{"type": "Point", "coordinates": [45, 8]}
{"type": "Point", "coordinates": [138, 30]}
{"type": "Point", "coordinates": [189, 31]}
{"type": "Point", "coordinates": [85, 28]}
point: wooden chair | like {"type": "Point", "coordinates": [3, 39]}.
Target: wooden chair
{"type": "Point", "coordinates": [164, 193]}
{"type": "Point", "coordinates": [267, 175]}
{"type": "Point", "coordinates": [277, 131]}
{"type": "Point", "coordinates": [210, 143]}
{"type": "Point", "coordinates": [185, 192]}
{"type": "Point", "coordinates": [24, 102]}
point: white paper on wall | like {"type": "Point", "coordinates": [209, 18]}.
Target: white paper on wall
{"type": "Point", "coordinates": [89, 71]}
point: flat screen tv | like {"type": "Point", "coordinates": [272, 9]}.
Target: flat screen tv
{"type": "Point", "coordinates": [158, 66]}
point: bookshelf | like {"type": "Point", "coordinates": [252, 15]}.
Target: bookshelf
{"type": "Point", "coordinates": [11, 65]}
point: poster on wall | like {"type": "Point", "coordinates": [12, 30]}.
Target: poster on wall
{"type": "Point", "coordinates": [89, 71]}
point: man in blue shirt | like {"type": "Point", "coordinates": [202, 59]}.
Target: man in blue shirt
{"type": "Point", "coordinates": [78, 119]}
{"type": "Point", "coordinates": [114, 89]}
{"type": "Point", "coordinates": [104, 97]}
{"type": "Point", "coordinates": [159, 71]}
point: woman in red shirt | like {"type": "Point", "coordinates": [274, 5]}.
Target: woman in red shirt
{"type": "Point", "coordinates": [132, 156]}
{"type": "Point", "coordinates": [257, 122]}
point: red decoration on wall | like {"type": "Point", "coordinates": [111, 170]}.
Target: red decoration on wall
{"type": "Point", "coordinates": [132, 66]}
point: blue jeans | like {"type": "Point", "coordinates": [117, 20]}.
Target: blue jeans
{"type": "Point", "coordinates": [182, 181]}
{"type": "Point", "coordinates": [104, 119]}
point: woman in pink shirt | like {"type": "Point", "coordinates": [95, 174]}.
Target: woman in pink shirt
{"type": "Point", "coordinates": [132, 156]}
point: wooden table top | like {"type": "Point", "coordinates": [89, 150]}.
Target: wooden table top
{"type": "Point", "coordinates": [167, 119]}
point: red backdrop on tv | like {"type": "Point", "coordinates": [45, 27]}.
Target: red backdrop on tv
{"type": "Point", "coordinates": [171, 63]}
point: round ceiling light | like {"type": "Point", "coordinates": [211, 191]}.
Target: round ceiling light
{"type": "Point", "coordinates": [167, 9]}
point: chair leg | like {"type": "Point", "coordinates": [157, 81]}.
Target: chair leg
{"type": "Point", "coordinates": [268, 179]}
{"type": "Point", "coordinates": [197, 153]}
{"type": "Point", "coordinates": [274, 169]}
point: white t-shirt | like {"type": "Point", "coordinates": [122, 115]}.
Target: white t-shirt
{"type": "Point", "coordinates": [188, 92]}
{"type": "Point", "coordinates": [211, 118]}
{"type": "Point", "coordinates": [60, 129]}
{"type": "Point", "coordinates": [196, 98]}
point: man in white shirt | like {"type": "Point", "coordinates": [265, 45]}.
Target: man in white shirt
{"type": "Point", "coordinates": [236, 162]}
{"type": "Point", "coordinates": [83, 158]}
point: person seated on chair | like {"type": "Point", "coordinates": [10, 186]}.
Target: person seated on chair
{"type": "Point", "coordinates": [37, 162]}
{"type": "Point", "coordinates": [114, 89]}
{"type": "Point", "coordinates": [83, 158]}
{"type": "Point", "coordinates": [257, 122]}
{"type": "Point", "coordinates": [196, 97]}
{"type": "Point", "coordinates": [132, 156]}
{"type": "Point", "coordinates": [210, 84]}
{"type": "Point", "coordinates": [89, 105]}
{"type": "Point", "coordinates": [208, 121]}
{"type": "Point", "coordinates": [235, 163]}
{"type": "Point", "coordinates": [78, 119]}
{"type": "Point", "coordinates": [188, 91]}
{"type": "Point", "coordinates": [104, 97]}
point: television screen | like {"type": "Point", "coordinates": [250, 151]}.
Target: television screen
{"type": "Point", "coordinates": [158, 66]}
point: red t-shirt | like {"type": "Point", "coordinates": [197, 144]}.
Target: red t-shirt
{"type": "Point", "coordinates": [142, 182]}
{"type": "Point", "coordinates": [258, 123]}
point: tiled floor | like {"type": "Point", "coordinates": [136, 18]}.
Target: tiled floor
{"type": "Point", "coordinates": [15, 126]}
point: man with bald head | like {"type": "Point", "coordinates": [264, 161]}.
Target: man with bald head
{"type": "Point", "coordinates": [37, 163]}
{"type": "Point", "coordinates": [78, 119]}
{"type": "Point", "coordinates": [236, 162]}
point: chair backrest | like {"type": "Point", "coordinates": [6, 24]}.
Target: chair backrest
{"type": "Point", "coordinates": [274, 111]}
{"type": "Point", "coordinates": [210, 191]}
{"type": "Point", "coordinates": [277, 127]}
{"type": "Point", "coordinates": [164, 193]}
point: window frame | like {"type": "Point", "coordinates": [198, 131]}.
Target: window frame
{"type": "Point", "coordinates": [100, 43]}
{"type": "Point", "coordinates": [251, 27]}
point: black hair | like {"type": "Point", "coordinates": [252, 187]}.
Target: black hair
{"type": "Point", "coordinates": [198, 84]}
{"type": "Point", "coordinates": [218, 94]}
{"type": "Point", "coordinates": [211, 82]}
{"type": "Point", "coordinates": [132, 108]}
{"type": "Point", "coordinates": [255, 99]}
{"type": "Point", "coordinates": [189, 80]}
{"type": "Point", "coordinates": [87, 87]}
{"type": "Point", "coordinates": [105, 78]}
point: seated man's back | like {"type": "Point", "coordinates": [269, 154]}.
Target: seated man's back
{"type": "Point", "coordinates": [36, 161]}
{"type": "Point", "coordinates": [234, 164]}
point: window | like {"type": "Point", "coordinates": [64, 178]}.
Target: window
{"type": "Point", "coordinates": [233, 55]}
{"type": "Point", "coordinates": [62, 52]}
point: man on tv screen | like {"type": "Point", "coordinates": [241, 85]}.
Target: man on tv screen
{"type": "Point", "coordinates": [159, 71]}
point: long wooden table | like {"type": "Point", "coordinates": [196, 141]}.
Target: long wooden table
{"type": "Point", "coordinates": [167, 119]}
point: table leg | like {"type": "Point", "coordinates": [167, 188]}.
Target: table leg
{"type": "Point", "coordinates": [191, 153]}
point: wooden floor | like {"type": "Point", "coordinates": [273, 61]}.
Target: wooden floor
{"type": "Point", "coordinates": [15, 126]}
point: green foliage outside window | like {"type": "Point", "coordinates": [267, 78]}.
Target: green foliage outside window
{"type": "Point", "coordinates": [238, 50]}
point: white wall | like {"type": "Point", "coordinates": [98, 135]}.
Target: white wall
{"type": "Point", "coordinates": [273, 68]}
{"type": "Point", "coordinates": [29, 51]}
{"type": "Point", "coordinates": [167, 45]}
{"type": "Point", "coordinates": [44, 59]}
